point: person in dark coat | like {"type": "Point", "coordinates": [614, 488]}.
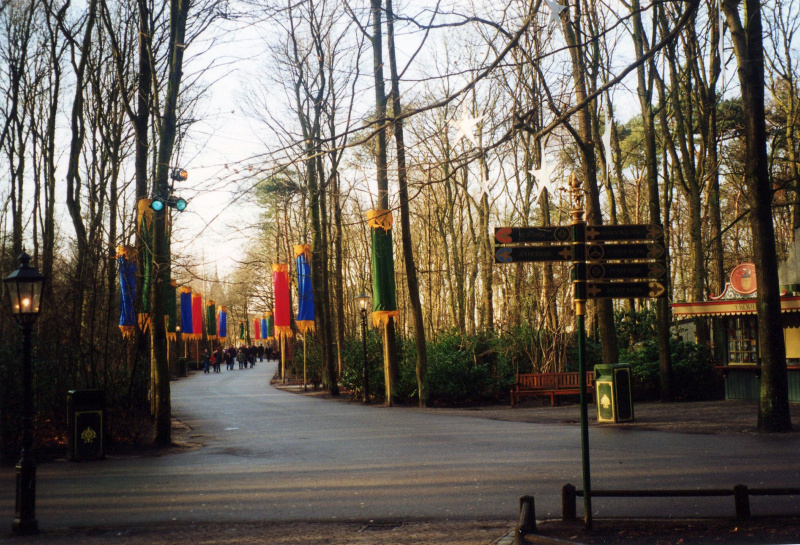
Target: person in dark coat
{"type": "Point", "coordinates": [206, 361]}
{"type": "Point", "coordinates": [218, 358]}
{"type": "Point", "coordinates": [230, 353]}
{"type": "Point", "coordinates": [260, 351]}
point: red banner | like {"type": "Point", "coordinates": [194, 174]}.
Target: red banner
{"type": "Point", "coordinates": [197, 315]}
{"type": "Point", "coordinates": [282, 311]}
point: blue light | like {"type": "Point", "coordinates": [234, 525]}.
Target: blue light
{"type": "Point", "coordinates": [157, 205]}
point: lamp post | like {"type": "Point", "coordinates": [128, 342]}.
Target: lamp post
{"type": "Point", "coordinates": [24, 287]}
{"type": "Point", "coordinates": [363, 301]}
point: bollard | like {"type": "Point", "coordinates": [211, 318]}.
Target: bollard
{"type": "Point", "coordinates": [527, 519]}
{"type": "Point", "coordinates": [741, 498]}
{"type": "Point", "coordinates": [568, 507]}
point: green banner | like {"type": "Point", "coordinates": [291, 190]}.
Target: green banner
{"type": "Point", "coordinates": [383, 288]}
{"type": "Point", "coordinates": [211, 320]}
{"type": "Point", "coordinates": [172, 306]}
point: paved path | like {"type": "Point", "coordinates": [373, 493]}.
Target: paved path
{"type": "Point", "coordinates": [273, 456]}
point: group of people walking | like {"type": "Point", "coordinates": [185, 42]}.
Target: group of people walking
{"type": "Point", "coordinates": [244, 355]}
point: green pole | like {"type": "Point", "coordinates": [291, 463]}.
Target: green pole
{"type": "Point", "coordinates": [579, 285]}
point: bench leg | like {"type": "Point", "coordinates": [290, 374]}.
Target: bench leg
{"type": "Point", "coordinates": [552, 400]}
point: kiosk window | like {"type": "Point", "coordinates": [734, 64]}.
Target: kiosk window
{"type": "Point", "coordinates": [742, 341]}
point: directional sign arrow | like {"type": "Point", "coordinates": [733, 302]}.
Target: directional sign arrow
{"type": "Point", "coordinates": [533, 253]}
{"type": "Point", "coordinates": [597, 252]}
{"type": "Point", "coordinates": [511, 235]}
{"type": "Point", "coordinates": [609, 271]}
{"type": "Point", "coordinates": [625, 290]}
{"type": "Point", "coordinates": [645, 231]}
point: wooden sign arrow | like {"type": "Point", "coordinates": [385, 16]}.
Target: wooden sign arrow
{"type": "Point", "coordinates": [512, 235]}
{"type": "Point", "coordinates": [625, 290]}
{"type": "Point", "coordinates": [602, 233]}
{"type": "Point", "coordinates": [598, 252]}
{"type": "Point", "coordinates": [609, 271]}
{"type": "Point", "coordinates": [533, 253]}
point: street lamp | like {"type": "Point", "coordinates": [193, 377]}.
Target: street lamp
{"type": "Point", "coordinates": [24, 287]}
{"type": "Point", "coordinates": [363, 301]}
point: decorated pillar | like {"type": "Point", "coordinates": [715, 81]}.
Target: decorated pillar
{"type": "Point", "coordinates": [222, 323]}
{"type": "Point", "coordinates": [186, 313]}
{"type": "Point", "coordinates": [145, 224]}
{"type": "Point", "coordinates": [172, 311]}
{"type": "Point", "coordinates": [211, 321]}
{"type": "Point", "coordinates": [186, 319]}
{"type": "Point", "coordinates": [197, 320]}
{"type": "Point", "coordinates": [126, 264]}
{"type": "Point", "coordinates": [384, 301]}
{"type": "Point", "coordinates": [305, 297]}
{"type": "Point", "coordinates": [305, 291]}
{"type": "Point", "coordinates": [270, 321]}
{"type": "Point", "coordinates": [283, 311]}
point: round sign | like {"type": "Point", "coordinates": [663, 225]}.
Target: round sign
{"type": "Point", "coordinates": [743, 278]}
{"type": "Point", "coordinates": [562, 234]}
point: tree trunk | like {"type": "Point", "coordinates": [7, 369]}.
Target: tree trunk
{"type": "Point", "coordinates": [179, 10]}
{"type": "Point", "coordinates": [645, 91]}
{"type": "Point", "coordinates": [605, 311]}
{"type": "Point", "coordinates": [773, 411]}
{"type": "Point", "coordinates": [405, 221]}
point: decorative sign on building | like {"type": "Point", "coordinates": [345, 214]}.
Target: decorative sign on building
{"type": "Point", "coordinates": [743, 278]}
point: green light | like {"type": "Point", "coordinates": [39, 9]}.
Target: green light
{"type": "Point", "coordinates": [180, 205]}
{"type": "Point", "coordinates": [157, 205]}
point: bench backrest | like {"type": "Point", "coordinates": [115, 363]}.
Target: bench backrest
{"type": "Point", "coordinates": [553, 380]}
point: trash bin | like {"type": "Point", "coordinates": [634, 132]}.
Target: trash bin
{"type": "Point", "coordinates": [85, 424]}
{"type": "Point", "coordinates": [183, 367]}
{"type": "Point", "coordinates": [612, 387]}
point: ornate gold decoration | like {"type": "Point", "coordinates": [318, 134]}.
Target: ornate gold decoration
{"type": "Point", "coordinates": [89, 435]}
{"type": "Point", "coordinates": [380, 219]}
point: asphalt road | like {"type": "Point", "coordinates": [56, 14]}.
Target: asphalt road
{"type": "Point", "coordinates": [269, 455]}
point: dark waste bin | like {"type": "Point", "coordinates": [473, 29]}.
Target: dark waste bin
{"type": "Point", "coordinates": [183, 367]}
{"type": "Point", "coordinates": [612, 386]}
{"type": "Point", "coordinates": [85, 424]}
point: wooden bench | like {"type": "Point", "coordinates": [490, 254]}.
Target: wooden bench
{"type": "Point", "coordinates": [549, 385]}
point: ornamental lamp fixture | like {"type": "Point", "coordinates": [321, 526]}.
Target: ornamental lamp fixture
{"type": "Point", "coordinates": [24, 288]}
{"type": "Point", "coordinates": [363, 300]}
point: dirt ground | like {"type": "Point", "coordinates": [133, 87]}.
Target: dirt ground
{"type": "Point", "coordinates": [398, 533]}
{"type": "Point", "coordinates": [761, 531]}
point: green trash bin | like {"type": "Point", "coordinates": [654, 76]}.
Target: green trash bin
{"type": "Point", "coordinates": [85, 424]}
{"type": "Point", "coordinates": [612, 386]}
{"type": "Point", "coordinates": [183, 367]}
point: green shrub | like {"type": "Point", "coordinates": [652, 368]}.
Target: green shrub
{"type": "Point", "coordinates": [461, 369]}
{"type": "Point", "coordinates": [353, 366]}
{"type": "Point", "coordinates": [693, 374]}
{"type": "Point", "coordinates": [634, 327]}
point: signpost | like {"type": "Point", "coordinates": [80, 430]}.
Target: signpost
{"type": "Point", "coordinates": [612, 271]}
{"type": "Point", "coordinates": [647, 231]}
{"type": "Point", "coordinates": [559, 252]}
{"type": "Point", "coordinates": [609, 262]}
{"type": "Point", "coordinates": [625, 290]}
{"type": "Point", "coordinates": [511, 235]}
